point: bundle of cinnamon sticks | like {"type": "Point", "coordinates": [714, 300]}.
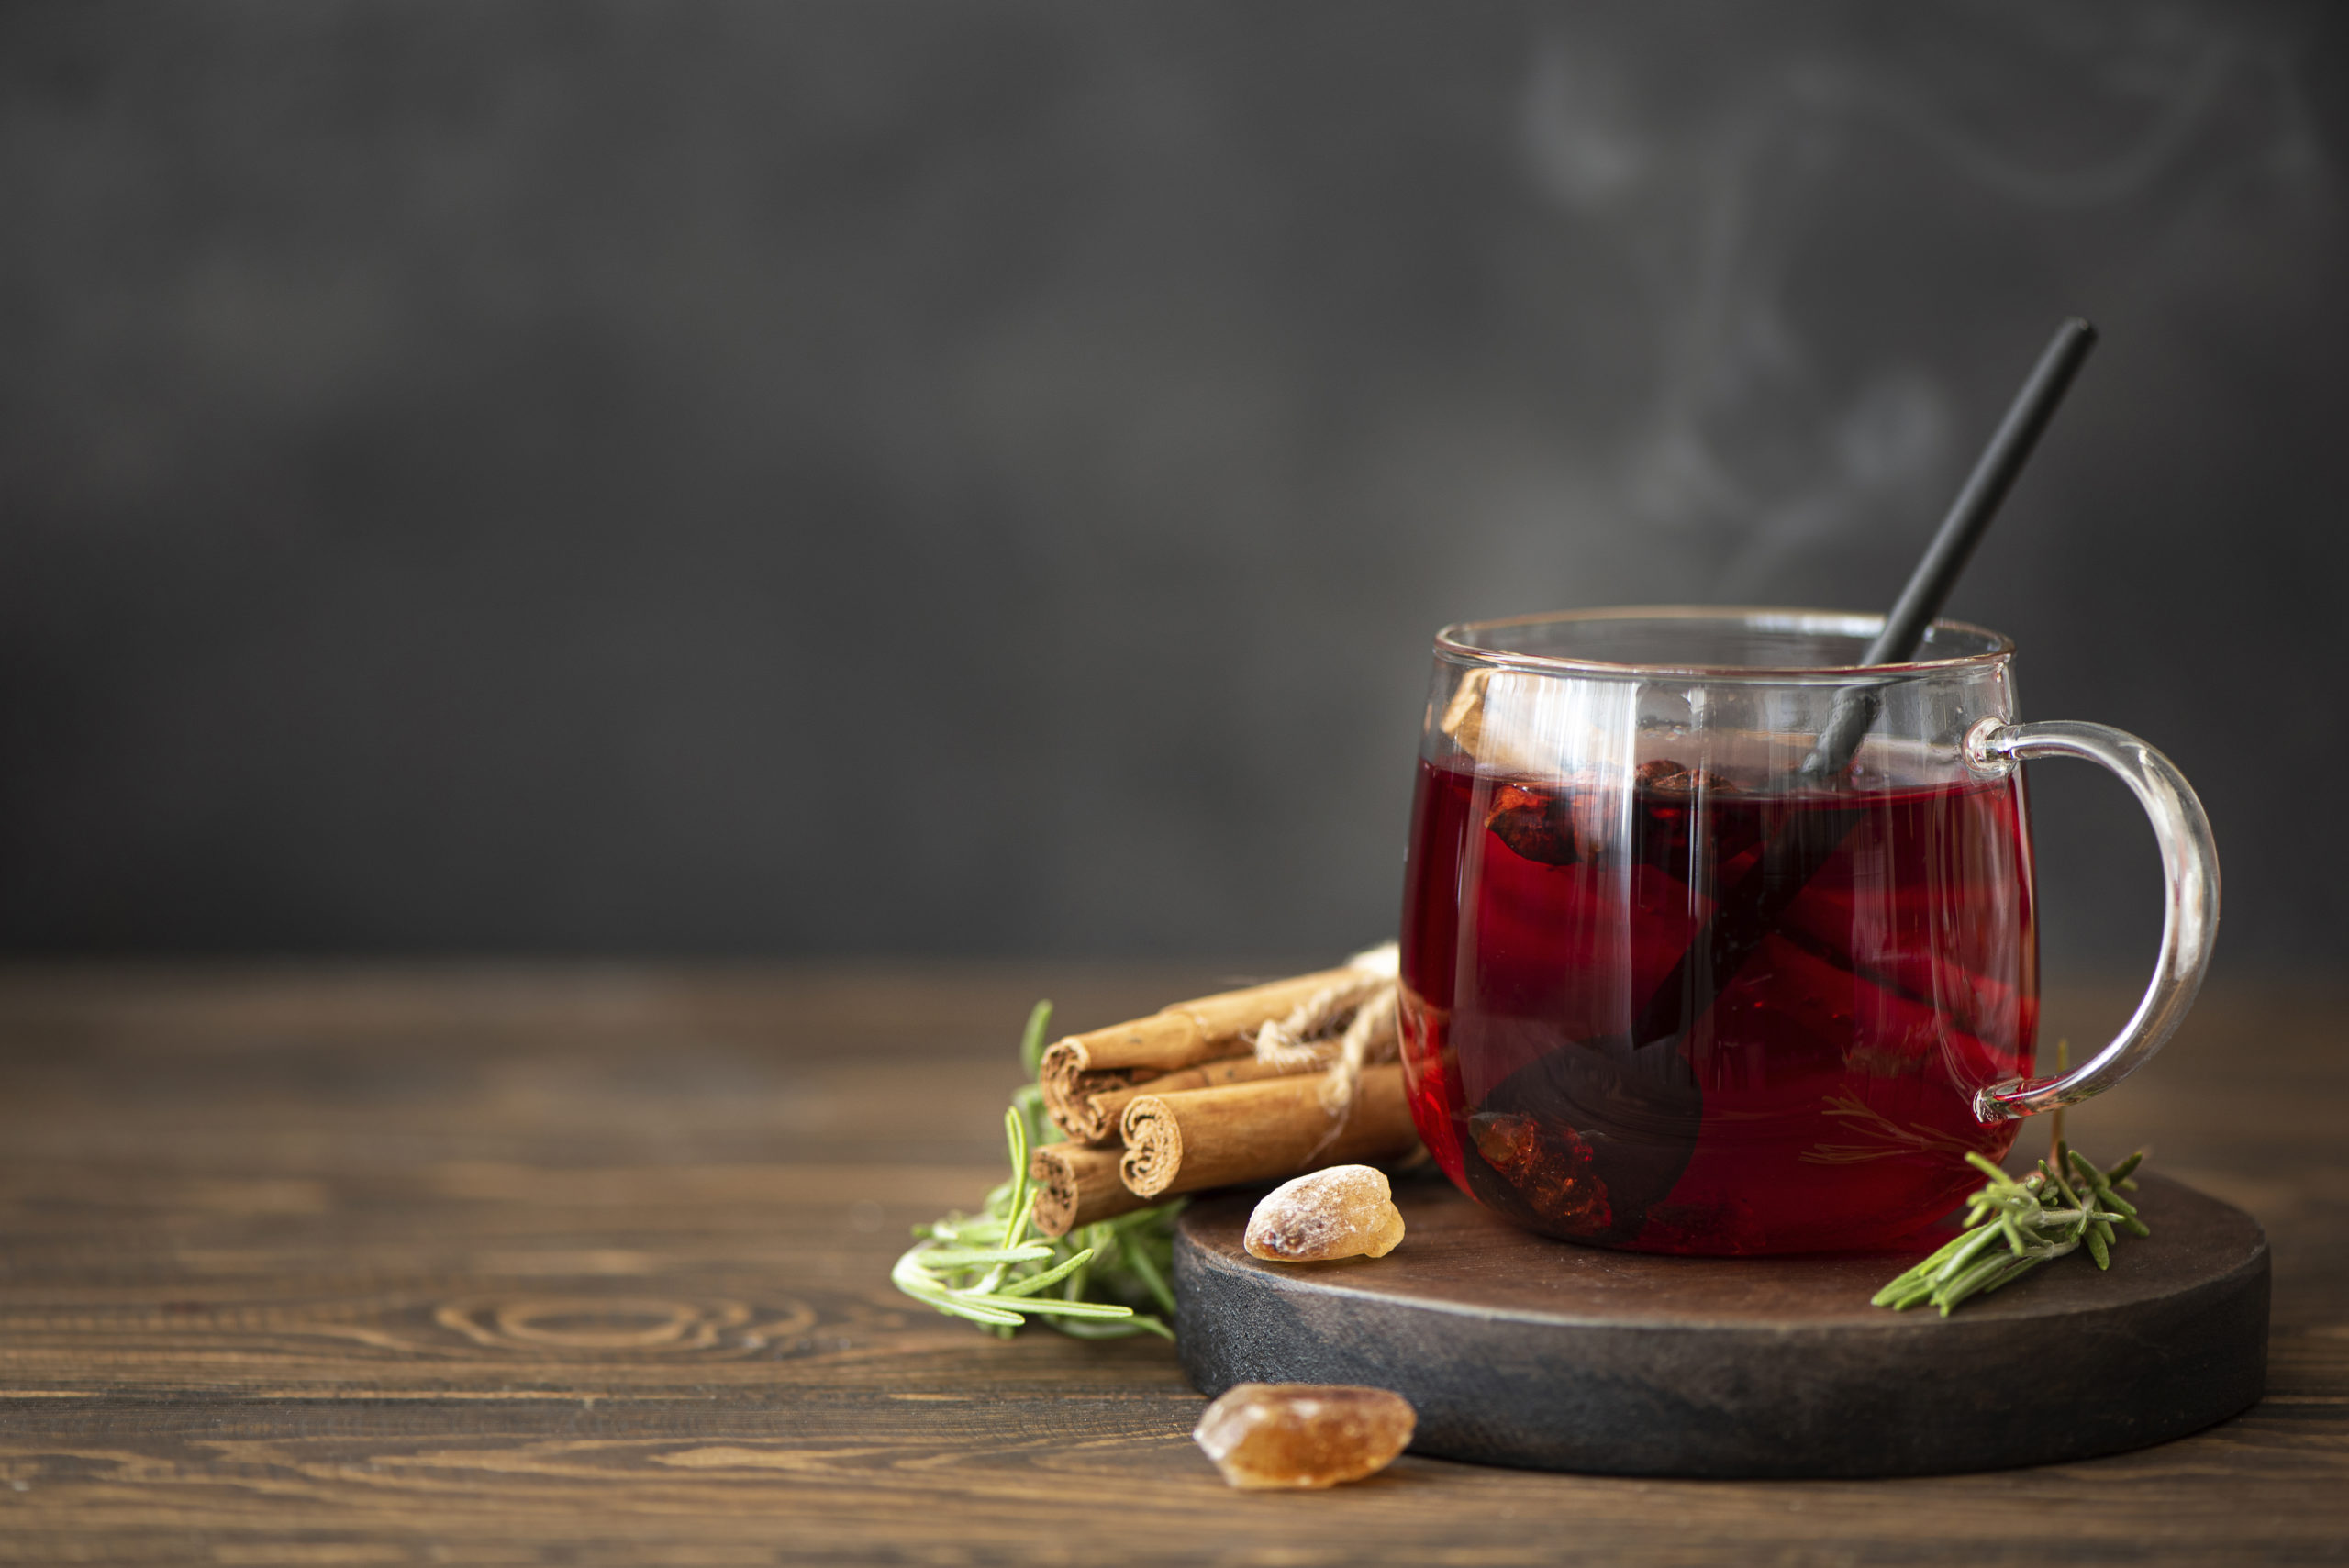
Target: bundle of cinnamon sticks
{"type": "Point", "coordinates": [1258, 1085]}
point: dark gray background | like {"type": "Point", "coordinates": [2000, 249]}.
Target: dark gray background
{"type": "Point", "coordinates": [980, 478]}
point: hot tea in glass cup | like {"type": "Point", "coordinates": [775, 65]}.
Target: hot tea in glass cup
{"type": "Point", "coordinates": [1669, 984]}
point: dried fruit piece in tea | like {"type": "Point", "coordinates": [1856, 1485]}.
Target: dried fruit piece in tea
{"type": "Point", "coordinates": [1674, 778]}
{"type": "Point", "coordinates": [1537, 824]}
{"type": "Point", "coordinates": [1549, 1164]}
{"type": "Point", "coordinates": [1268, 1436]}
{"type": "Point", "coordinates": [1346, 1211]}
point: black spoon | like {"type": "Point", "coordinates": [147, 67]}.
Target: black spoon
{"type": "Point", "coordinates": [1751, 908]}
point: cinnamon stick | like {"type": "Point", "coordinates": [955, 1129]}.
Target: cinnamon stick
{"type": "Point", "coordinates": [1182, 1035]}
{"type": "Point", "coordinates": [1267, 1130]}
{"type": "Point", "coordinates": [1076, 1186]}
{"type": "Point", "coordinates": [1098, 1099]}
{"type": "Point", "coordinates": [1070, 1094]}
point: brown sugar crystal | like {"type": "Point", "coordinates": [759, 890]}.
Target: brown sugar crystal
{"type": "Point", "coordinates": [1269, 1436]}
{"type": "Point", "coordinates": [1346, 1211]}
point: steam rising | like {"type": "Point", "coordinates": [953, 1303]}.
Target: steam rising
{"type": "Point", "coordinates": [1778, 425]}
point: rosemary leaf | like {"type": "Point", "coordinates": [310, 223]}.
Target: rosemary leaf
{"type": "Point", "coordinates": [972, 1257]}
{"type": "Point", "coordinates": [1145, 1269]}
{"type": "Point", "coordinates": [1051, 1276]}
{"type": "Point", "coordinates": [2019, 1214]}
{"type": "Point", "coordinates": [1053, 1307]}
{"type": "Point", "coordinates": [988, 1268]}
{"type": "Point", "coordinates": [1031, 1038]}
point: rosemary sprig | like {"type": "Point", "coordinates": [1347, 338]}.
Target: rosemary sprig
{"type": "Point", "coordinates": [988, 1268]}
{"type": "Point", "coordinates": [2063, 1206]}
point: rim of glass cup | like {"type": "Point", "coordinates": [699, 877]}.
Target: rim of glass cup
{"type": "Point", "coordinates": [1456, 642]}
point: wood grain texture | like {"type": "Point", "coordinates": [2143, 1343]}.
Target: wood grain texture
{"type": "Point", "coordinates": [374, 1266]}
{"type": "Point", "coordinates": [1515, 1349]}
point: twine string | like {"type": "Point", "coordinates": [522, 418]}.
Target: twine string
{"type": "Point", "coordinates": [1346, 1026]}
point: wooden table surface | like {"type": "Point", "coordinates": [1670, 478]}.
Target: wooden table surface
{"type": "Point", "coordinates": [375, 1266]}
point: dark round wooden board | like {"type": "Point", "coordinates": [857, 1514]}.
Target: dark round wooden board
{"type": "Point", "coordinates": [1519, 1350]}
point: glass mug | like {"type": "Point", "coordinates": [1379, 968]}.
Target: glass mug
{"type": "Point", "coordinates": [1676, 980]}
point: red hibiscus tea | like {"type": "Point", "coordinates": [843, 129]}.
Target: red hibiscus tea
{"type": "Point", "coordinates": [1589, 1054]}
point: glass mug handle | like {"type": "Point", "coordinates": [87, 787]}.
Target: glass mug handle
{"type": "Point", "coordinates": [2190, 905]}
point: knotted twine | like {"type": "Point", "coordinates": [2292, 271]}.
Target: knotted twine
{"type": "Point", "coordinates": [1345, 1027]}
